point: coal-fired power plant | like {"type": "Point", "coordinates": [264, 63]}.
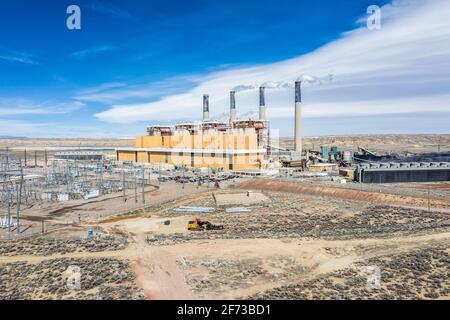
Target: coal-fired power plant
{"type": "Point", "coordinates": [245, 145]}
{"type": "Point", "coordinates": [298, 117]}
{"type": "Point", "coordinates": [239, 144]}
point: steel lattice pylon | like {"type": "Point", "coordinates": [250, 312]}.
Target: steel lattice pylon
{"type": "Point", "coordinates": [11, 178]}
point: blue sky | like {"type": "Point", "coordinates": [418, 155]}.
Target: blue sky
{"type": "Point", "coordinates": [139, 62]}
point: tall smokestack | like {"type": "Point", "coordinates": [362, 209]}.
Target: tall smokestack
{"type": "Point", "coordinates": [262, 104]}
{"type": "Point", "coordinates": [205, 107]}
{"type": "Point", "coordinates": [298, 117]}
{"type": "Point", "coordinates": [232, 106]}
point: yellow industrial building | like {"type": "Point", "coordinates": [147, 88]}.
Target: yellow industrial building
{"type": "Point", "coordinates": [234, 151]}
{"type": "Point", "coordinates": [237, 145]}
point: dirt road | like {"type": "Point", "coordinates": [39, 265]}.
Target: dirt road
{"type": "Point", "coordinates": [161, 275]}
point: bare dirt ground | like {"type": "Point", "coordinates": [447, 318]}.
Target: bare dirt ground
{"type": "Point", "coordinates": [348, 193]}
{"type": "Point", "coordinates": [300, 245]}
{"type": "Point", "coordinates": [312, 240]}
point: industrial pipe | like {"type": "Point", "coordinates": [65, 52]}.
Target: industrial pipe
{"type": "Point", "coordinates": [205, 107]}
{"type": "Point", "coordinates": [262, 104]}
{"type": "Point", "coordinates": [298, 117]}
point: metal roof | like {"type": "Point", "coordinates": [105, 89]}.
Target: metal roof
{"type": "Point", "coordinates": [398, 166]}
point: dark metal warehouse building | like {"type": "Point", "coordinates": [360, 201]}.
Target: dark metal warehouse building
{"type": "Point", "coordinates": [79, 155]}
{"type": "Point", "coordinates": [403, 172]}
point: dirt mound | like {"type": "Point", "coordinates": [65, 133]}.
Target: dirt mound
{"type": "Point", "coordinates": [357, 195]}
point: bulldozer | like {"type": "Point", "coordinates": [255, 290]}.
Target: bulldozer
{"type": "Point", "coordinates": [199, 225]}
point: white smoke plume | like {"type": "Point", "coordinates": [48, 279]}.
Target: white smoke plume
{"type": "Point", "coordinates": [305, 78]}
{"type": "Point", "coordinates": [397, 70]}
{"type": "Point", "coordinates": [244, 87]}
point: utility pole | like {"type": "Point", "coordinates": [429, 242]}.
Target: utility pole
{"type": "Point", "coordinates": [159, 173]}
{"type": "Point", "coordinates": [429, 206]}
{"type": "Point", "coordinates": [35, 158]}
{"type": "Point", "coordinates": [7, 159]}
{"type": "Point", "coordinates": [25, 156]}
{"type": "Point", "coordinates": [182, 181]}
{"type": "Point", "coordinates": [25, 192]}
{"type": "Point", "coordinates": [143, 186]}
{"type": "Point", "coordinates": [101, 178]}
{"type": "Point", "coordinates": [8, 190]}
{"type": "Point", "coordinates": [209, 176]}
{"type": "Point", "coordinates": [123, 183]}
{"type": "Point", "coordinates": [19, 199]}
{"type": "Point", "coordinates": [135, 188]}
{"type": "Point", "coordinates": [98, 233]}
{"type": "Point", "coordinates": [6, 186]}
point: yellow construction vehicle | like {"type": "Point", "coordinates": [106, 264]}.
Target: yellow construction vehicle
{"type": "Point", "coordinates": [199, 225]}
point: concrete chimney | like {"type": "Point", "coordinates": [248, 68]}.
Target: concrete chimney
{"type": "Point", "coordinates": [262, 104]}
{"type": "Point", "coordinates": [205, 107]}
{"type": "Point", "coordinates": [232, 106]}
{"type": "Point", "coordinates": [298, 117]}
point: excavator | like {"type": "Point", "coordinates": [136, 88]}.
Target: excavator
{"type": "Point", "coordinates": [199, 225]}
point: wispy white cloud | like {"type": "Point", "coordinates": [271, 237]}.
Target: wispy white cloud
{"type": "Point", "coordinates": [110, 10]}
{"type": "Point", "coordinates": [118, 92]}
{"type": "Point", "coordinates": [402, 67]}
{"type": "Point", "coordinates": [19, 57]}
{"type": "Point", "coordinates": [48, 129]}
{"type": "Point", "coordinates": [36, 129]}
{"type": "Point", "coordinates": [19, 106]}
{"type": "Point", "coordinates": [368, 108]}
{"type": "Point", "coordinates": [103, 87]}
{"type": "Point", "coordinates": [91, 52]}
{"type": "Point", "coordinates": [19, 128]}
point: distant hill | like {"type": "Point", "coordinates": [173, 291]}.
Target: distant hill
{"type": "Point", "coordinates": [11, 137]}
